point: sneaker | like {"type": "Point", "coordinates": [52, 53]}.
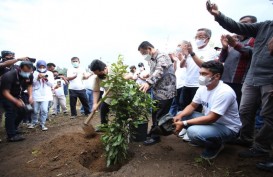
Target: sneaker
{"type": "Point", "coordinates": [73, 117]}
{"type": "Point", "coordinates": [44, 128]}
{"type": "Point", "coordinates": [241, 142]}
{"type": "Point", "coordinates": [211, 153]}
{"type": "Point", "coordinates": [31, 126]}
{"type": "Point", "coordinates": [186, 138]}
{"type": "Point", "coordinates": [253, 152]}
{"type": "Point", "coordinates": [65, 113]}
{"type": "Point", "coordinates": [193, 144]}
{"type": "Point", "coordinates": [151, 141]}
{"type": "Point", "coordinates": [266, 165]}
{"type": "Point", "coordinates": [15, 138]}
{"type": "Point", "coordinates": [182, 133]}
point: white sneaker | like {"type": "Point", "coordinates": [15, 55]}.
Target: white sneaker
{"type": "Point", "coordinates": [31, 126]}
{"type": "Point", "coordinates": [44, 128]}
{"type": "Point", "coordinates": [186, 138]}
{"type": "Point", "coordinates": [182, 133]}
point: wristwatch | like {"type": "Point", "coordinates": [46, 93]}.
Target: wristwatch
{"type": "Point", "coordinates": [192, 54]}
{"type": "Point", "coordinates": [185, 123]}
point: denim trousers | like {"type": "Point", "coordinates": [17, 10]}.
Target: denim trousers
{"type": "Point", "coordinates": [89, 94]}
{"type": "Point", "coordinates": [251, 97]}
{"type": "Point", "coordinates": [209, 136]}
{"type": "Point", "coordinates": [40, 107]}
{"type": "Point", "coordinates": [177, 102]}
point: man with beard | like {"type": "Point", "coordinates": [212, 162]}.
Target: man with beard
{"type": "Point", "coordinates": [100, 70]}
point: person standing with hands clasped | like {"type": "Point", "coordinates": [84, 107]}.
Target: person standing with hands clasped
{"type": "Point", "coordinates": [43, 81]}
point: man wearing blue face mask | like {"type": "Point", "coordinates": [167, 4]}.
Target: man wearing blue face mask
{"type": "Point", "coordinates": [13, 83]}
{"type": "Point", "coordinates": [220, 122]}
{"type": "Point", "coordinates": [75, 76]}
{"type": "Point", "coordinates": [161, 81]}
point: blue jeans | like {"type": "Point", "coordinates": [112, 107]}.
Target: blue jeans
{"type": "Point", "coordinates": [177, 102]}
{"type": "Point", "coordinates": [42, 108]}
{"type": "Point", "coordinates": [89, 94]}
{"type": "Point", "coordinates": [211, 135]}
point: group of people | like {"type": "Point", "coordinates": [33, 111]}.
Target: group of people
{"type": "Point", "coordinates": [215, 97]}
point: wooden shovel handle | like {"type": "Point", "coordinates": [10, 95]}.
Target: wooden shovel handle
{"type": "Point", "coordinates": [90, 116]}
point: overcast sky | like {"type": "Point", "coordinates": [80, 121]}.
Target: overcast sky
{"type": "Point", "coordinates": [57, 30]}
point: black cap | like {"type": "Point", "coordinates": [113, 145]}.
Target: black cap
{"type": "Point", "coordinates": [4, 53]}
{"type": "Point", "coordinates": [27, 64]}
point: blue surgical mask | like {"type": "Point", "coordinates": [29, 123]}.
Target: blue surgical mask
{"type": "Point", "coordinates": [24, 74]}
{"type": "Point", "coordinates": [75, 64]}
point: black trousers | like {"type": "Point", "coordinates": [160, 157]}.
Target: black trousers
{"type": "Point", "coordinates": [104, 110]}
{"type": "Point", "coordinates": [81, 94]}
{"type": "Point", "coordinates": [163, 108]}
{"type": "Point", "coordinates": [238, 91]}
{"type": "Point", "coordinates": [14, 117]}
{"type": "Point", "coordinates": [188, 94]}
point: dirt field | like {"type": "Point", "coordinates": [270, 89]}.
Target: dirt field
{"type": "Point", "coordinates": [63, 151]}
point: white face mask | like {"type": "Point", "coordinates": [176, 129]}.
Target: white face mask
{"type": "Point", "coordinates": [204, 81]}
{"type": "Point", "coordinates": [178, 49]}
{"type": "Point", "coordinates": [200, 42]}
{"type": "Point", "coordinates": [147, 57]}
{"type": "Point", "coordinates": [42, 70]}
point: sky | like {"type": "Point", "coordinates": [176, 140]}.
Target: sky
{"type": "Point", "coordinates": [57, 30]}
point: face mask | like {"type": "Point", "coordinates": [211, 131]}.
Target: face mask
{"type": "Point", "coordinates": [42, 70]}
{"type": "Point", "coordinates": [75, 64]}
{"type": "Point", "coordinates": [200, 42]}
{"type": "Point", "coordinates": [178, 49]}
{"type": "Point", "coordinates": [24, 74]}
{"type": "Point", "coordinates": [204, 81]}
{"type": "Point", "coordinates": [147, 57]}
{"type": "Point", "coordinates": [102, 76]}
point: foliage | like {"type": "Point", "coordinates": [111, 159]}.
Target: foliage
{"type": "Point", "coordinates": [129, 107]}
{"type": "Point", "coordinates": [61, 70]}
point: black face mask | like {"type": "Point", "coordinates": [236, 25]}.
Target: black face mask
{"type": "Point", "coordinates": [103, 76]}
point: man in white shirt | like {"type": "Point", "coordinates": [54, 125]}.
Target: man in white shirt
{"type": "Point", "coordinates": [220, 122]}
{"type": "Point", "coordinates": [180, 73]}
{"type": "Point", "coordinates": [75, 76]}
{"type": "Point", "coordinates": [204, 53]}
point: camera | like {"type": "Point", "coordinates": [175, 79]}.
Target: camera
{"type": "Point", "coordinates": [28, 108]}
{"type": "Point", "coordinates": [32, 60]}
{"type": "Point", "coordinates": [57, 77]}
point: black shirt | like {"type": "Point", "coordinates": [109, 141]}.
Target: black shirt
{"type": "Point", "coordinates": [5, 69]}
{"type": "Point", "coordinates": [15, 83]}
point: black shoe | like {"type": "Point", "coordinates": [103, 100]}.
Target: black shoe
{"type": "Point", "coordinates": [241, 142]}
{"type": "Point", "coordinates": [16, 138]}
{"type": "Point", "coordinates": [267, 165]}
{"type": "Point", "coordinates": [211, 153]}
{"type": "Point", "coordinates": [253, 152]}
{"type": "Point", "coordinates": [151, 141]}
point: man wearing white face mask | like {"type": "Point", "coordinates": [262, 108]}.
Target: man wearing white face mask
{"type": "Point", "coordinates": [220, 122]}
{"type": "Point", "coordinates": [203, 53]}
{"type": "Point", "coordinates": [161, 81]}
{"type": "Point", "coordinates": [76, 75]}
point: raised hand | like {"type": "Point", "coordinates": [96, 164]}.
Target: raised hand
{"type": "Point", "coordinates": [224, 42]}
{"type": "Point", "coordinates": [212, 8]}
{"type": "Point", "coordinates": [231, 41]}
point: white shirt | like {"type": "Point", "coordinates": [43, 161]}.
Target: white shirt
{"type": "Point", "coordinates": [205, 54]}
{"type": "Point", "coordinates": [60, 90]}
{"type": "Point", "coordinates": [88, 83]}
{"type": "Point", "coordinates": [77, 83]}
{"type": "Point", "coordinates": [221, 100]}
{"type": "Point", "coordinates": [180, 74]}
{"type": "Point", "coordinates": [42, 90]}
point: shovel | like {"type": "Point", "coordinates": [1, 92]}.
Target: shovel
{"type": "Point", "coordinates": [87, 127]}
